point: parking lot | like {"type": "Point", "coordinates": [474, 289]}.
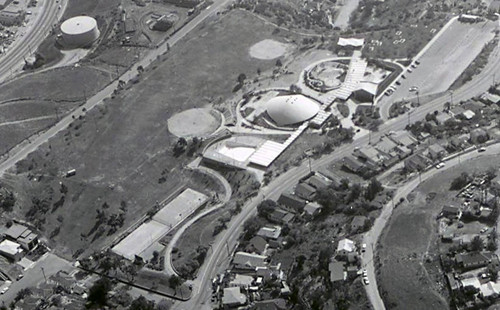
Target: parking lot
{"type": "Point", "coordinates": [444, 61]}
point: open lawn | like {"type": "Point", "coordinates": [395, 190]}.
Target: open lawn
{"type": "Point", "coordinates": [122, 150]}
{"type": "Point", "coordinates": [409, 276]}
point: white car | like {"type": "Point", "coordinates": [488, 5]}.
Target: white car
{"type": "Point", "coordinates": [366, 281]}
{"type": "Point", "coordinates": [4, 290]}
{"type": "Point", "coordinates": [485, 229]}
{"type": "Point", "coordinates": [440, 165]}
{"type": "Point", "coordinates": [365, 273]}
{"type": "Point", "coordinates": [363, 247]}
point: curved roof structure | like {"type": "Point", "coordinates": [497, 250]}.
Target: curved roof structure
{"type": "Point", "coordinates": [78, 25]}
{"type": "Point", "coordinates": [292, 109]}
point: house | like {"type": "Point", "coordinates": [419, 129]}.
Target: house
{"type": "Point", "coordinates": [457, 111]}
{"type": "Point", "coordinates": [345, 247]}
{"type": "Point", "coordinates": [312, 209]}
{"type": "Point", "coordinates": [352, 164]}
{"type": "Point", "coordinates": [22, 235]}
{"type": "Point", "coordinates": [358, 223]}
{"type": "Point", "coordinates": [451, 212]}
{"type": "Point", "coordinates": [474, 106]}
{"type": "Point", "coordinates": [241, 281]}
{"type": "Point", "coordinates": [291, 201]}
{"type": "Point", "coordinates": [281, 216]}
{"type": "Point", "coordinates": [403, 138]}
{"type": "Point", "coordinates": [436, 151]}
{"type": "Point", "coordinates": [474, 260]}
{"type": "Point", "coordinates": [416, 162]}
{"type": "Point", "coordinates": [257, 245]}
{"type": "Point", "coordinates": [337, 273]}
{"type": "Point", "coordinates": [478, 136]}
{"type": "Point", "coordinates": [318, 181]}
{"type": "Point", "coordinates": [442, 118]}
{"type": "Point", "coordinates": [352, 271]}
{"type": "Point", "coordinates": [273, 304]}
{"type": "Point", "coordinates": [458, 142]}
{"type": "Point", "coordinates": [243, 260]}
{"type": "Point", "coordinates": [452, 282]}
{"type": "Point", "coordinates": [369, 154]}
{"type": "Point", "coordinates": [232, 297]}
{"type": "Point", "coordinates": [468, 114]}
{"type": "Point", "coordinates": [269, 232]}
{"type": "Point", "coordinates": [386, 146]}
{"type": "Point", "coordinates": [269, 272]}
{"type": "Point", "coordinates": [305, 191]}
{"type": "Point", "coordinates": [11, 250]}
{"type": "Point", "coordinates": [490, 98]}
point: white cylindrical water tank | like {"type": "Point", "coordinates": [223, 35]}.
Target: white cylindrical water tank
{"type": "Point", "coordinates": [79, 31]}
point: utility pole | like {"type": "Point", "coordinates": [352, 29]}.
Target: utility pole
{"type": "Point", "coordinates": [43, 272]}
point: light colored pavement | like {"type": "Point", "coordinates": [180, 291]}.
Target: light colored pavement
{"type": "Point", "coordinates": [478, 85]}
{"type": "Point", "coordinates": [50, 264]}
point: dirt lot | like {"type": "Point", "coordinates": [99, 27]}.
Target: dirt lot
{"type": "Point", "coordinates": [409, 276]}
{"type": "Point", "coordinates": [122, 149]}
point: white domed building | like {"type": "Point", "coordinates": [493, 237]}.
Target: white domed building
{"type": "Point", "coordinates": [292, 109]}
{"type": "Point", "coordinates": [79, 31]}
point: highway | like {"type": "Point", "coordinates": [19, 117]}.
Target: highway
{"type": "Point", "coordinates": [47, 17]}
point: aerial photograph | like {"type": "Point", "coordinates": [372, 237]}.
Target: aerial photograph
{"type": "Point", "coordinates": [249, 154]}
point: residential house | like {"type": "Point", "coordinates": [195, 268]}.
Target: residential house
{"type": "Point", "coordinates": [241, 281]}
{"type": "Point", "coordinates": [451, 212]}
{"type": "Point", "coordinates": [337, 273]}
{"type": "Point", "coordinates": [369, 154]}
{"type": "Point", "coordinates": [292, 202]}
{"type": "Point", "coordinates": [442, 118]}
{"type": "Point", "coordinates": [281, 216]}
{"type": "Point", "coordinates": [474, 106]}
{"type": "Point", "coordinates": [243, 260]}
{"type": "Point", "coordinates": [474, 260]}
{"type": "Point", "coordinates": [352, 164]}
{"type": "Point", "coordinates": [416, 162]}
{"type": "Point", "coordinates": [452, 282]}
{"type": "Point", "coordinates": [490, 98]}
{"type": "Point", "coordinates": [273, 304]}
{"type": "Point", "coordinates": [257, 245]}
{"type": "Point", "coordinates": [436, 151]}
{"type": "Point", "coordinates": [11, 250]}
{"type": "Point", "coordinates": [358, 223]}
{"type": "Point", "coordinates": [345, 247]}
{"type": "Point", "coordinates": [478, 136]}
{"type": "Point", "coordinates": [232, 297]}
{"type": "Point", "coordinates": [457, 111]}
{"type": "Point", "coordinates": [312, 209]}
{"type": "Point", "coordinates": [352, 271]}
{"type": "Point", "coordinates": [22, 235]}
{"type": "Point", "coordinates": [269, 232]}
{"type": "Point", "coordinates": [305, 191]}
{"type": "Point", "coordinates": [318, 181]}
{"type": "Point", "coordinates": [459, 142]}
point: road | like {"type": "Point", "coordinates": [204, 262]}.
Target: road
{"type": "Point", "coordinates": [108, 90]}
{"type": "Point", "coordinates": [47, 17]}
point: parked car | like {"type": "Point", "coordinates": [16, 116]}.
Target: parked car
{"type": "Point", "coordinates": [366, 281]}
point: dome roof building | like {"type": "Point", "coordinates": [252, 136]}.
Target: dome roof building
{"type": "Point", "coordinates": [292, 109]}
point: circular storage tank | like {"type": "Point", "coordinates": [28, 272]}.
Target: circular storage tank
{"type": "Point", "coordinates": [79, 31]}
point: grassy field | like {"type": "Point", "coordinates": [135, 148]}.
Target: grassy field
{"type": "Point", "coordinates": [46, 95]}
{"type": "Point", "coordinates": [409, 276]}
{"type": "Point", "coordinates": [122, 149]}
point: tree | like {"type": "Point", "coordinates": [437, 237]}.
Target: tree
{"type": "Point", "coordinates": [174, 282]}
{"type": "Point", "coordinates": [278, 63]}
{"type": "Point", "coordinates": [241, 78]}
{"type": "Point", "coordinates": [476, 244]}
{"type": "Point", "coordinates": [374, 187]}
{"type": "Point", "coordinates": [460, 181]}
{"type": "Point", "coordinates": [266, 207]}
{"type": "Point", "coordinates": [98, 293]}
{"type": "Point", "coordinates": [142, 303]}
